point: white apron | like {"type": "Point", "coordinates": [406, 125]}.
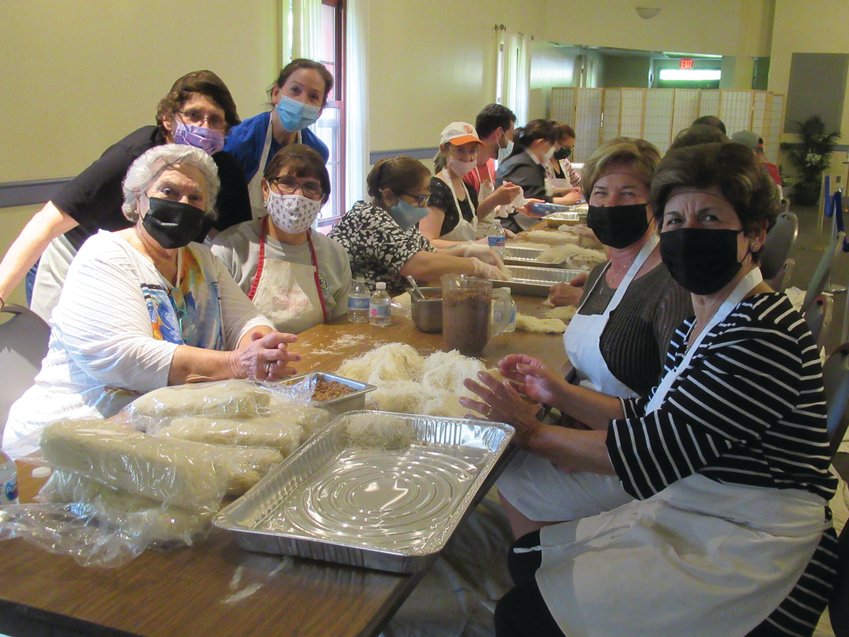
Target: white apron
{"type": "Point", "coordinates": [486, 189]}
{"type": "Point", "coordinates": [288, 294]}
{"type": "Point", "coordinates": [535, 486]}
{"type": "Point", "coordinates": [255, 186]}
{"type": "Point", "coordinates": [464, 230]}
{"type": "Point", "coordinates": [715, 559]}
{"type": "Point", "coordinates": [583, 336]}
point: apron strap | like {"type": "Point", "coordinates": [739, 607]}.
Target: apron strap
{"type": "Point", "coordinates": [316, 277]}
{"type": "Point", "coordinates": [259, 265]}
{"type": "Point", "coordinates": [447, 180]}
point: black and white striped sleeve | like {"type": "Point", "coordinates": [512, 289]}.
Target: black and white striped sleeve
{"type": "Point", "coordinates": [738, 385]}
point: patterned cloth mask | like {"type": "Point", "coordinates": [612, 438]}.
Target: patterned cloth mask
{"type": "Point", "coordinates": [292, 213]}
{"type": "Point", "coordinates": [208, 140]}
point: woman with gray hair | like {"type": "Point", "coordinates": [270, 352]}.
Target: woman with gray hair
{"type": "Point", "coordinates": [144, 307]}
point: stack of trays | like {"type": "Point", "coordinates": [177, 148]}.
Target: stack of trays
{"type": "Point", "coordinates": [535, 281]}
{"type": "Point", "coordinates": [391, 510]}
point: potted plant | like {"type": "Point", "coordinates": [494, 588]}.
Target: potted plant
{"type": "Point", "coordinates": [811, 156]}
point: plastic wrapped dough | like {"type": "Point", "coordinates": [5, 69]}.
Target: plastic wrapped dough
{"type": "Point", "coordinates": [229, 398]}
{"type": "Point", "coordinates": [262, 431]}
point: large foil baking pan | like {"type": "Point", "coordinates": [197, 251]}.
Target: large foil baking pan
{"type": "Point", "coordinates": [391, 510]}
{"type": "Point", "coordinates": [526, 255]}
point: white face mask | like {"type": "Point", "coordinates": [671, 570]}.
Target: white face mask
{"type": "Point", "coordinates": [504, 153]}
{"type": "Point", "coordinates": [460, 168]}
{"type": "Point", "coordinates": [292, 213]}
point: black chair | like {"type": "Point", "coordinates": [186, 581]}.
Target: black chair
{"type": "Point", "coordinates": [779, 242]}
{"type": "Point", "coordinates": [823, 271]}
{"type": "Point", "coordinates": [818, 317]}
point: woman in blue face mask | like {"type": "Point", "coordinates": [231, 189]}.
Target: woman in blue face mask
{"type": "Point", "coordinates": [727, 458]}
{"type": "Point", "coordinates": [297, 99]}
{"type": "Point", "coordinates": [382, 236]}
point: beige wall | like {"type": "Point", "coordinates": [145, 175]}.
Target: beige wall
{"type": "Point", "coordinates": [426, 70]}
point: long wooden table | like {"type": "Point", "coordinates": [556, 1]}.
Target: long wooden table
{"type": "Point", "coordinates": [214, 587]}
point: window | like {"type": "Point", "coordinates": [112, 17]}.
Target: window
{"type": "Point", "coordinates": [331, 125]}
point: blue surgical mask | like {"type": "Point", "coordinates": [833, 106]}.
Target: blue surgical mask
{"type": "Point", "coordinates": [295, 115]}
{"type": "Point", "coordinates": [206, 139]}
{"type": "Point", "coordinates": [406, 214]}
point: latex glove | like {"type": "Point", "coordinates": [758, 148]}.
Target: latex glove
{"type": "Point", "coordinates": [527, 209]}
{"type": "Point", "coordinates": [507, 193]}
{"type": "Point", "coordinates": [480, 251]}
{"type": "Point", "coordinates": [485, 271]}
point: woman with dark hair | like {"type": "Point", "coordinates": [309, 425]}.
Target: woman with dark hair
{"type": "Point", "coordinates": [565, 180]}
{"type": "Point", "coordinates": [382, 237]}
{"type": "Point", "coordinates": [198, 111]}
{"type": "Point", "coordinates": [727, 459]}
{"type": "Point", "coordinates": [298, 97]}
{"type": "Point", "coordinates": [296, 277]}
{"type": "Point", "coordinates": [533, 147]}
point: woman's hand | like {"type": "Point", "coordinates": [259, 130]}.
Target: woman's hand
{"type": "Point", "coordinates": [506, 193]}
{"type": "Point", "coordinates": [265, 357]}
{"type": "Point", "coordinates": [528, 208]}
{"type": "Point", "coordinates": [479, 251]}
{"type": "Point", "coordinates": [533, 378]}
{"type": "Point", "coordinates": [485, 271]}
{"type": "Point", "coordinates": [501, 402]}
{"type": "Point", "coordinates": [572, 197]}
{"type": "Point", "coordinates": [561, 294]}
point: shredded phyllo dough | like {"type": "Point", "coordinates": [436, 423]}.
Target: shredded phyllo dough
{"type": "Point", "coordinates": [380, 431]}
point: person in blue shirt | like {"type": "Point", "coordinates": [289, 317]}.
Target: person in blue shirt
{"type": "Point", "coordinates": [297, 98]}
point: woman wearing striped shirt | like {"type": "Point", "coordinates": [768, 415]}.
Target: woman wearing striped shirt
{"type": "Point", "coordinates": [728, 460]}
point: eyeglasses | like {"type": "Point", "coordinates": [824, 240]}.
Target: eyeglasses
{"type": "Point", "coordinates": [421, 200]}
{"type": "Point", "coordinates": [287, 185]}
{"type": "Point", "coordinates": [198, 117]}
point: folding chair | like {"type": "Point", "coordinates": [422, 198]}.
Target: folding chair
{"type": "Point", "coordinates": [779, 242]}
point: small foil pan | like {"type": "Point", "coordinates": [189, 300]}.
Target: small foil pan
{"type": "Point", "coordinates": [391, 510]}
{"type": "Point", "coordinates": [349, 402]}
{"type": "Point", "coordinates": [535, 281]}
{"type": "Point", "coordinates": [522, 255]}
{"type": "Point", "coordinates": [571, 218]}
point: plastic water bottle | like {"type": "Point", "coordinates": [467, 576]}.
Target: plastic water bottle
{"type": "Point", "coordinates": [497, 238]}
{"type": "Point", "coordinates": [379, 309]}
{"type": "Point", "coordinates": [358, 301]}
{"type": "Point", "coordinates": [8, 480]}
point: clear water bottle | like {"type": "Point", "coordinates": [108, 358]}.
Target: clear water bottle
{"type": "Point", "coordinates": [358, 301]}
{"type": "Point", "coordinates": [379, 309]}
{"type": "Point", "coordinates": [8, 480]}
{"type": "Point", "coordinates": [497, 238]}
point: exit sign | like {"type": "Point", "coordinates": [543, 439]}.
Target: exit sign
{"type": "Point", "coordinates": [686, 63]}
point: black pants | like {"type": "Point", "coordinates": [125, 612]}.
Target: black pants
{"type": "Point", "coordinates": [523, 612]}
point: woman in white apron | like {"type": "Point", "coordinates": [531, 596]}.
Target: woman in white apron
{"type": "Point", "coordinates": [296, 277]}
{"type": "Point", "coordinates": [454, 208]}
{"type": "Point", "coordinates": [602, 353]}
{"type": "Point", "coordinates": [297, 97]}
{"type": "Point", "coordinates": [561, 184]}
{"type": "Point", "coordinates": [728, 461]}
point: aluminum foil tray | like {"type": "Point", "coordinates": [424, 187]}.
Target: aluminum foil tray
{"type": "Point", "coordinates": [520, 255]}
{"type": "Point", "coordinates": [349, 402]}
{"type": "Point", "coordinates": [535, 281]}
{"type": "Point", "coordinates": [571, 218]}
{"type": "Point", "coordinates": [391, 510]}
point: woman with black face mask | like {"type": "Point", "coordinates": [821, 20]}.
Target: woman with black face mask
{"type": "Point", "coordinates": [616, 342]}
{"type": "Point", "coordinates": [727, 458]}
{"type": "Point", "coordinates": [565, 180]}
{"type": "Point", "coordinates": [146, 307]}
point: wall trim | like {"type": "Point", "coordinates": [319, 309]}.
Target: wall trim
{"type": "Point", "coordinates": [416, 153]}
{"type": "Point", "coordinates": [24, 193]}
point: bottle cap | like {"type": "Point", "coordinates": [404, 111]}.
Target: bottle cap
{"type": "Point", "coordinates": [380, 285]}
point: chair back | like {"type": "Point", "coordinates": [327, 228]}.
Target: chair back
{"type": "Point", "coordinates": [823, 271]}
{"type": "Point", "coordinates": [835, 380]}
{"type": "Point", "coordinates": [818, 317]}
{"type": "Point", "coordinates": [838, 605]}
{"type": "Point", "coordinates": [779, 242]}
{"type": "Point", "coordinates": [23, 345]}
{"type": "Point", "coordinates": [780, 280]}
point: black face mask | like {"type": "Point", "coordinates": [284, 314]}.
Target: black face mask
{"type": "Point", "coordinates": [173, 224]}
{"type": "Point", "coordinates": [563, 153]}
{"type": "Point", "coordinates": [703, 261]}
{"type": "Point", "coordinates": [618, 226]}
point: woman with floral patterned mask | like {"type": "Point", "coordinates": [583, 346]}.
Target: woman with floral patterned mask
{"type": "Point", "coordinates": [296, 277]}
